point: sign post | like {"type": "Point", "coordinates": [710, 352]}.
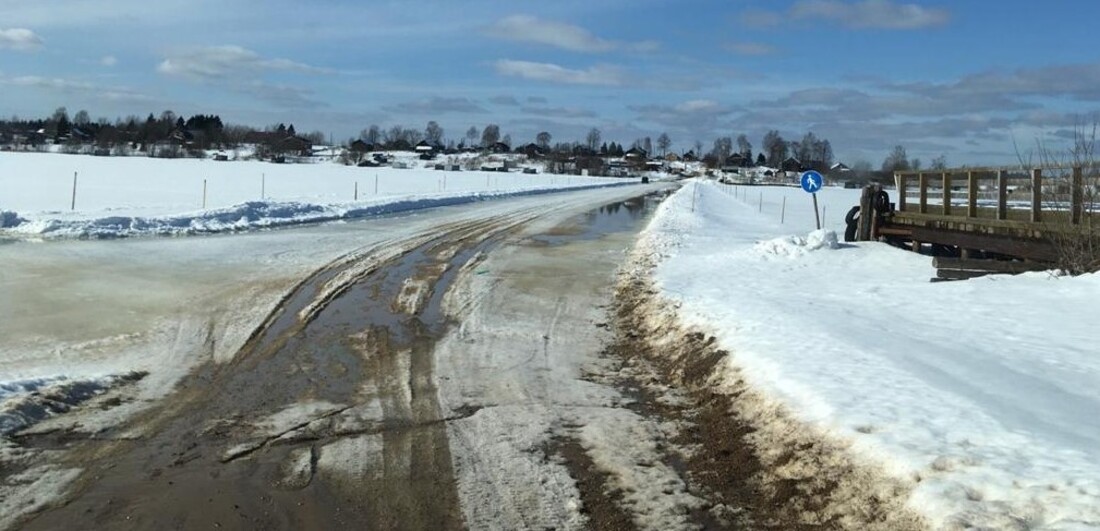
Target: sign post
{"type": "Point", "coordinates": [811, 183]}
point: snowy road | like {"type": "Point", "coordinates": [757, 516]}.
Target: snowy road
{"type": "Point", "coordinates": [356, 402]}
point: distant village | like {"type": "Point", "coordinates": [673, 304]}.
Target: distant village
{"type": "Point", "coordinates": [206, 136]}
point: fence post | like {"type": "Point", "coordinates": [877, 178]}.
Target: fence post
{"type": "Point", "coordinates": [922, 181]}
{"type": "Point", "coordinates": [73, 205]}
{"type": "Point", "coordinates": [760, 207]}
{"type": "Point", "coordinates": [947, 193]}
{"type": "Point", "coordinates": [971, 195]}
{"type": "Point", "coordinates": [1002, 195]}
{"type": "Point", "coordinates": [1077, 196]}
{"type": "Point", "coordinates": [783, 211]}
{"type": "Point", "coordinates": [356, 190]}
{"type": "Point", "coordinates": [899, 179]}
{"type": "Point", "coordinates": [204, 194]}
{"type": "Point", "coordinates": [263, 186]}
{"type": "Point", "coordinates": [1036, 195]}
{"type": "Point", "coordinates": [376, 184]}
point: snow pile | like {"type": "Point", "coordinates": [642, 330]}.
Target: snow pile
{"type": "Point", "coordinates": [249, 216]}
{"type": "Point", "coordinates": [985, 404]}
{"type": "Point", "coordinates": [795, 246]}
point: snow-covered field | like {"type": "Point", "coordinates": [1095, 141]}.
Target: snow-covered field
{"type": "Point", "coordinates": [983, 395]}
{"type": "Point", "coordinates": [123, 196]}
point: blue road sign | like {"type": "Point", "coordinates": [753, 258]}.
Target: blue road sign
{"type": "Point", "coordinates": [812, 181]}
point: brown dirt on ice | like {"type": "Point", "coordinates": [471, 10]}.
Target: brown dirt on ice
{"type": "Point", "coordinates": [756, 466]}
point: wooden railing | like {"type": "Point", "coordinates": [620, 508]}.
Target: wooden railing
{"type": "Point", "coordinates": [1065, 187]}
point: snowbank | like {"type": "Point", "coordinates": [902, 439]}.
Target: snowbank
{"type": "Point", "coordinates": [131, 196]}
{"type": "Point", "coordinates": [982, 394]}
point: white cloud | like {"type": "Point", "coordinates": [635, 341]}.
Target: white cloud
{"type": "Point", "coordinates": [595, 75]}
{"type": "Point", "coordinates": [526, 28]}
{"type": "Point", "coordinates": [220, 62]}
{"type": "Point", "coordinates": [751, 48]}
{"type": "Point", "coordinates": [19, 39]}
{"type": "Point", "coordinates": [108, 60]}
{"type": "Point", "coordinates": [68, 86]}
{"type": "Point", "coordinates": [862, 14]}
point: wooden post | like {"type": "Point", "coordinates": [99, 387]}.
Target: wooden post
{"type": "Point", "coordinates": [1002, 195]}
{"type": "Point", "coordinates": [1077, 196]}
{"type": "Point", "coordinates": [922, 181]}
{"type": "Point", "coordinates": [899, 179]}
{"type": "Point", "coordinates": [971, 195]}
{"type": "Point", "coordinates": [866, 213]}
{"type": "Point", "coordinates": [73, 205]}
{"type": "Point", "coordinates": [946, 193]}
{"type": "Point", "coordinates": [1036, 195]}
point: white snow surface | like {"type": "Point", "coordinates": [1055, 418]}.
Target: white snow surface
{"type": "Point", "coordinates": [133, 196]}
{"type": "Point", "coordinates": [983, 395]}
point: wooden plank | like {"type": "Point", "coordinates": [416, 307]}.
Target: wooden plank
{"type": "Point", "coordinates": [863, 229]}
{"type": "Point", "coordinates": [922, 181]}
{"type": "Point", "coordinates": [946, 193]}
{"type": "Point", "coordinates": [1002, 195]}
{"type": "Point", "coordinates": [994, 266]}
{"type": "Point", "coordinates": [1077, 196]}
{"type": "Point", "coordinates": [953, 274]}
{"type": "Point", "coordinates": [910, 219]}
{"type": "Point", "coordinates": [900, 180]}
{"type": "Point", "coordinates": [1029, 249]}
{"type": "Point", "coordinates": [971, 195]}
{"type": "Point", "coordinates": [1036, 195]}
{"type": "Point", "coordinates": [894, 230]}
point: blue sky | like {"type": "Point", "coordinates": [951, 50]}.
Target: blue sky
{"type": "Point", "coordinates": [972, 80]}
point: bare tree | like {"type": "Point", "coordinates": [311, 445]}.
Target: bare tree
{"type": "Point", "coordinates": [472, 134]}
{"type": "Point", "coordinates": [897, 160]}
{"type": "Point", "coordinates": [775, 147]}
{"type": "Point", "coordinates": [698, 148]}
{"type": "Point", "coordinates": [744, 147]}
{"type": "Point", "coordinates": [543, 139]}
{"type": "Point", "coordinates": [723, 146]}
{"type": "Point", "coordinates": [81, 118]}
{"type": "Point", "coordinates": [647, 145]}
{"type": "Point", "coordinates": [663, 143]}
{"type": "Point", "coordinates": [433, 133]}
{"type": "Point", "coordinates": [371, 135]}
{"type": "Point", "coordinates": [593, 139]}
{"type": "Point", "coordinates": [938, 163]}
{"type": "Point", "coordinates": [490, 135]}
{"type": "Point", "coordinates": [507, 140]}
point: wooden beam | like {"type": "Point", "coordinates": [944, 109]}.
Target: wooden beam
{"type": "Point", "coordinates": [946, 193]}
{"type": "Point", "coordinates": [993, 266]}
{"type": "Point", "coordinates": [1077, 196]}
{"type": "Point", "coordinates": [954, 274]}
{"type": "Point", "coordinates": [1002, 195]}
{"type": "Point", "coordinates": [971, 195]}
{"type": "Point", "coordinates": [899, 179]}
{"type": "Point", "coordinates": [1029, 249]}
{"type": "Point", "coordinates": [1036, 195]}
{"type": "Point", "coordinates": [922, 181]}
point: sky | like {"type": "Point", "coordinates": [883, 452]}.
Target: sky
{"type": "Point", "coordinates": [975, 81]}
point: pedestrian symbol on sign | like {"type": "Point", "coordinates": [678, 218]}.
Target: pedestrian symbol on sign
{"type": "Point", "coordinates": [811, 181]}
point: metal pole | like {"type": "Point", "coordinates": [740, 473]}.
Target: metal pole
{"type": "Point", "coordinates": [376, 184]}
{"type": "Point", "coordinates": [694, 191]}
{"type": "Point", "coordinates": [783, 211]}
{"type": "Point", "coordinates": [356, 190]}
{"type": "Point", "coordinates": [204, 194]}
{"type": "Point", "coordinates": [73, 205]}
{"type": "Point", "coordinates": [760, 208]}
{"type": "Point", "coordinates": [816, 216]}
{"type": "Point", "coordinates": [263, 186]}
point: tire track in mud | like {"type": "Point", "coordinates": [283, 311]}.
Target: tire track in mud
{"type": "Point", "coordinates": [327, 418]}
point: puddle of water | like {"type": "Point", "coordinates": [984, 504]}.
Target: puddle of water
{"type": "Point", "coordinates": [617, 217]}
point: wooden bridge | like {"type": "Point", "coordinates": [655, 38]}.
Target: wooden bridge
{"type": "Point", "coordinates": [968, 218]}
